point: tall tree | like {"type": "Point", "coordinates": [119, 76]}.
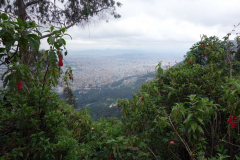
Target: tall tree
{"type": "Point", "coordinates": [69, 96]}
{"type": "Point", "coordinates": [65, 13]}
{"type": "Point", "coordinates": [58, 13]}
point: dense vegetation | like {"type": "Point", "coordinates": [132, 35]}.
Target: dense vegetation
{"type": "Point", "coordinates": [191, 111]}
{"type": "Point", "coordinates": [99, 101]}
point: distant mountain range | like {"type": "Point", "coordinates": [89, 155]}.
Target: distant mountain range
{"type": "Point", "coordinates": [126, 52]}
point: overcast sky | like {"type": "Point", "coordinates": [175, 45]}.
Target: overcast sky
{"type": "Point", "coordinates": [164, 26]}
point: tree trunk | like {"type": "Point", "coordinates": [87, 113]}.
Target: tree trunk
{"type": "Point", "coordinates": [21, 10]}
{"type": "Point", "coordinates": [22, 15]}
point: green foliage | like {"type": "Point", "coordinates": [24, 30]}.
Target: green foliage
{"type": "Point", "coordinates": [70, 98]}
{"type": "Point", "coordinates": [188, 104]}
{"type": "Point", "coordinates": [189, 111]}
{"type": "Point", "coordinates": [237, 55]}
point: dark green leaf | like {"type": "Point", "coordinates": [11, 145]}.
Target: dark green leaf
{"type": "Point", "coordinates": [60, 42]}
{"type": "Point", "coordinates": [29, 24]}
{"type": "Point", "coordinates": [34, 36]}
{"type": "Point", "coordinates": [23, 41]}
{"type": "Point", "coordinates": [194, 126]}
{"type": "Point", "coordinates": [51, 28]}
{"type": "Point", "coordinates": [2, 50]}
{"type": "Point", "coordinates": [20, 22]}
{"type": "Point", "coordinates": [33, 43]}
{"type": "Point", "coordinates": [4, 16]}
{"type": "Point", "coordinates": [56, 46]}
{"type": "Point", "coordinates": [51, 40]}
{"type": "Point", "coordinates": [2, 32]}
{"type": "Point", "coordinates": [68, 35]}
{"type": "Point", "coordinates": [39, 33]}
{"type": "Point", "coordinates": [64, 42]}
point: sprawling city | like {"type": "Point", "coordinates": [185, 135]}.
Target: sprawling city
{"type": "Point", "coordinates": [92, 71]}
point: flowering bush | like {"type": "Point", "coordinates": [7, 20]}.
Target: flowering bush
{"type": "Point", "coordinates": [190, 107]}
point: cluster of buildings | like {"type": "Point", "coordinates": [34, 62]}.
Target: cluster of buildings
{"type": "Point", "coordinates": [96, 71]}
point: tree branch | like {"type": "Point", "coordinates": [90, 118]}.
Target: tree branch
{"type": "Point", "coordinates": [152, 153]}
{"type": "Point", "coordinates": [31, 3]}
{"type": "Point", "coordinates": [78, 18]}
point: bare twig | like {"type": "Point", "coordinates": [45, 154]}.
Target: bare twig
{"type": "Point", "coordinates": [230, 143]}
{"type": "Point", "coordinates": [152, 152]}
{"type": "Point", "coordinates": [174, 154]}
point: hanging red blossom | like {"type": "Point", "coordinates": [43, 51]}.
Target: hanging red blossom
{"type": "Point", "coordinates": [229, 119]}
{"type": "Point", "coordinates": [142, 98]}
{"type": "Point", "coordinates": [218, 101]}
{"type": "Point", "coordinates": [121, 109]}
{"type": "Point", "coordinates": [172, 142]}
{"type": "Point", "coordinates": [190, 62]}
{"type": "Point", "coordinates": [60, 63]}
{"type": "Point", "coordinates": [204, 54]}
{"type": "Point", "coordinates": [111, 156]}
{"type": "Point", "coordinates": [20, 84]}
{"type": "Point", "coordinates": [75, 132]}
{"type": "Point", "coordinates": [60, 56]}
{"type": "Point", "coordinates": [203, 46]}
{"type": "Point", "coordinates": [88, 140]}
{"type": "Point", "coordinates": [70, 77]}
{"type": "Point", "coordinates": [233, 119]}
{"type": "Point", "coordinates": [234, 125]}
{"type": "Point", "coordinates": [119, 106]}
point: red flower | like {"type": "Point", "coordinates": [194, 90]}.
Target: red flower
{"type": "Point", "coordinates": [203, 46]}
{"type": "Point", "coordinates": [111, 156]}
{"type": "Point", "coordinates": [60, 56]}
{"type": "Point", "coordinates": [167, 147]}
{"type": "Point", "coordinates": [218, 101]}
{"type": "Point", "coordinates": [119, 106]}
{"type": "Point", "coordinates": [75, 132]}
{"type": "Point", "coordinates": [172, 142]}
{"type": "Point", "coordinates": [229, 119]}
{"type": "Point", "coordinates": [121, 109]}
{"type": "Point", "coordinates": [142, 98]}
{"type": "Point", "coordinates": [204, 54]}
{"type": "Point", "coordinates": [135, 103]}
{"type": "Point", "coordinates": [234, 125]}
{"type": "Point", "coordinates": [160, 81]}
{"type": "Point", "coordinates": [60, 63]}
{"type": "Point", "coordinates": [88, 140]}
{"type": "Point", "coordinates": [232, 121]}
{"type": "Point", "coordinates": [190, 62]}
{"type": "Point", "coordinates": [20, 84]}
{"type": "Point", "coordinates": [70, 77]}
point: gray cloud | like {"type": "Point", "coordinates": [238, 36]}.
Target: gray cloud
{"type": "Point", "coordinates": [159, 25]}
